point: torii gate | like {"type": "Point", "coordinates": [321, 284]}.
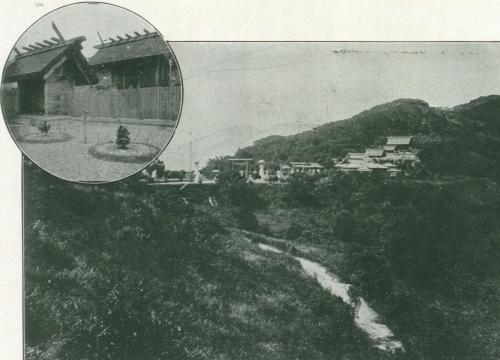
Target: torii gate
{"type": "Point", "coordinates": [242, 162]}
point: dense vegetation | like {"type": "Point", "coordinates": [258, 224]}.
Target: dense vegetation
{"type": "Point", "coordinates": [425, 253]}
{"type": "Point", "coordinates": [460, 140]}
{"type": "Point", "coordinates": [130, 271]}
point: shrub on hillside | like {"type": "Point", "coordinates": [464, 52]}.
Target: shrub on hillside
{"type": "Point", "coordinates": [234, 190]}
{"type": "Point", "coordinates": [300, 190]}
{"type": "Point", "coordinates": [425, 253]}
{"type": "Point", "coordinates": [294, 231]}
{"type": "Point", "coordinates": [246, 219]}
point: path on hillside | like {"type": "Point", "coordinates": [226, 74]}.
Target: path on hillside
{"type": "Point", "coordinates": [365, 317]}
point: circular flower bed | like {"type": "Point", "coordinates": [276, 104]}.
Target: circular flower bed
{"type": "Point", "coordinates": [134, 153]}
{"type": "Point", "coordinates": [45, 138]}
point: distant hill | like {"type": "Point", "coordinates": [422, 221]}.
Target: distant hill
{"type": "Point", "coordinates": [216, 143]}
{"type": "Point", "coordinates": [460, 140]}
{"type": "Point", "coordinates": [219, 142]}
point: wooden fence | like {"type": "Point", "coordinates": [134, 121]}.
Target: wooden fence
{"type": "Point", "coordinates": [10, 102]}
{"type": "Point", "coordinates": [141, 103]}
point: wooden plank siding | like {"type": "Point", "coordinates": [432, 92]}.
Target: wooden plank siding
{"type": "Point", "coordinates": [54, 86]}
{"type": "Point", "coordinates": [140, 103]}
{"type": "Point", "coordinates": [10, 102]}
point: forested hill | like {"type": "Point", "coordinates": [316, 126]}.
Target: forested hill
{"type": "Point", "coordinates": [460, 140]}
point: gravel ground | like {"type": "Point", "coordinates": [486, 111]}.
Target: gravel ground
{"type": "Point", "coordinates": [71, 160]}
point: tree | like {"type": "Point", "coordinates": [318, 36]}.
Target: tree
{"type": "Point", "coordinates": [301, 190]}
{"type": "Point", "coordinates": [160, 169]}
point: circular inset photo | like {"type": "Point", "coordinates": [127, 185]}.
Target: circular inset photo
{"type": "Point", "coordinates": [92, 92]}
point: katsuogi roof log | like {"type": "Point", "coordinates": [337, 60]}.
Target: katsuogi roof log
{"type": "Point", "coordinates": [130, 47]}
{"type": "Point", "coordinates": [40, 58]}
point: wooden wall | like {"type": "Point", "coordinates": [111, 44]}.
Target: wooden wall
{"type": "Point", "coordinates": [54, 87]}
{"type": "Point", "coordinates": [140, 103]}
{"type": "Point", "coordinates": [10, 102]}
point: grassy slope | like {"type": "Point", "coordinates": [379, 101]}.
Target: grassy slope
{"type": "Point", "coordinates": [433, 283]}
{"type": "Point", "coordinates": [123, 272]}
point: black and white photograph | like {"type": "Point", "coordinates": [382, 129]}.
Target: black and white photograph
{"type": "Point", "coordinates": [224, 180]}
{"type": "Point", "coordinates": [323, 200]}
{"type": "Point", "coordinates": [91, 93]}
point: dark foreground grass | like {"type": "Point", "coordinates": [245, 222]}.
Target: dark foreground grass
{"type": "Point", "coordinates": [124, 271]}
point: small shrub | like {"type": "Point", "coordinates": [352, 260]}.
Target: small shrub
{"type": "Point", "coordinates": [44, 128]}
{"type": "Point", "coordinates": [234, 190]}
{"type": "Point", "coordinates": [246, 219]}
{"type": "Point", "coordinates": [122, 137]}
{"type": "Point", "coordinates": [294, 231]}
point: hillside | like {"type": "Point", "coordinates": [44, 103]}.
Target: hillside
{"type": "Point", "coordinates": [424, 252]}
{"type": "Point", "coordinates": [217, 143]}
{"type": "Point", "coordinates": [127, 271]}
{"type": "Point", "coordinates": [461, 140]}
{"type": "Point", "coordinates": [130, 271]}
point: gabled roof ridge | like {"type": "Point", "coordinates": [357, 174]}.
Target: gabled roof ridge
{"type": "Point", "coordinates": [48, 47]}
{"type": "Point", "coordinates": [128, 39]}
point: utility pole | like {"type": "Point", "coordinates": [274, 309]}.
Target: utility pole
{"type": "Point", "coordinates": [85, 114]}
{"type": "Point", "coordinates": [190, 154]}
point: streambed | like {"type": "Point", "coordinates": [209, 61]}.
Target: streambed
{"type": "Point", "coordinates": [365, 317]}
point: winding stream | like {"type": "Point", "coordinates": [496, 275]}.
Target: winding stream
{"type": "Point", "coordinates": [366, 318]}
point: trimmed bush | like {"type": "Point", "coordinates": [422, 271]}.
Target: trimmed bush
{"type": "Point", "coordinates": [122, 137]}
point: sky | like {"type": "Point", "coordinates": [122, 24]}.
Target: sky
{"type": "Point", "coordinates": [235, 93]}
{"type": "Point", "coordinates": [86, 19]}
{"type": "Point", "coordinates": [282, 88]}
